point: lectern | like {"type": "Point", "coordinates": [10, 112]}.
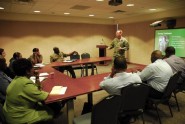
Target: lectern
{"type": "Point", "coordinates": [102, 52]}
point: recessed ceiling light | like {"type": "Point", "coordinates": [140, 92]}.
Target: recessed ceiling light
{"type": "Point", "coordinates": [152, 9]}
{"type": "Point", "coordinates": [1, 8]}
{"type": "Point", "coordinates": [130, 4]}
{"type": "Point", "coordinates": [91, 15]}
{"type": "Point", "coordinates": [111, 17]}
{"type": "Point", "coordinates": [66, 13]}
{"type": "Point", "coordinates": [37, 11]}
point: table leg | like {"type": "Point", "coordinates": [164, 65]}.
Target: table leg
{"type": "Point", "coordinates": [86, 69]}
{"type": "Point", "coordinates": [70, 111]}
{"type": "Point", "coordinates": [92, 72]}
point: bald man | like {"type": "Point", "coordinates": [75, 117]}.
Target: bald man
{"type": "Point", "coordinates": [156, 74]}
{"type": "Point", "coordinates": [120, 45]}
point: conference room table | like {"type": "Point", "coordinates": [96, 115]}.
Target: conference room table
{"type": "Point", "coordinates": [75, 87]}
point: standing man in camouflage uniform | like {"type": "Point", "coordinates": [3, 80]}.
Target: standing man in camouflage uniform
{"type": "Point", "coordinates": [120, 45]}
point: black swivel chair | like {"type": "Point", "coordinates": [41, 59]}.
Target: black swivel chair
{"type": "Point", "coordinates": [2, 118]}
{"type": "Point", "coordinates": [170, 88]}
{"type": "Point", "coordinates": [180, 88]}
{"type": "Point", "coordinates": [77, 67]}
{"type": "Point", "coordinates": [111, 109]}
{"type": "Point", "coordinates": [104, 112]}
{"type": "Point", "coordinates": [89, 66]}
{"type": "Point", "coordinates": [134, 97]}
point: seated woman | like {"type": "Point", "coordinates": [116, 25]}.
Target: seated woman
{"type": "Point", "coordinates": [4, 80]}
{"type": "Point", "coordinates": [24, 101]}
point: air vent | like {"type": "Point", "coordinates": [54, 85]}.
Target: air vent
{"type": "Point", "coordinates": [80, 7]}
{"type": "Point", "coordinates": [119, 11]}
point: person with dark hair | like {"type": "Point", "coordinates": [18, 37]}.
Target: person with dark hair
{"type": "Point", "coordinates": [176, 63]}
{"type": "Point", "coordinates": [2, 53]}
{"type": "Point", "coordinates": [4, 80]}
{"type": "Point", "coordinates": [36, 57]}
{"type": "Point", "coordinates": [120, 44]}
{"type": "Point", "coordinates": [24, 100]}
{"type": "Point", "coordinates": [156, 74]}
{"type": "Point", "coordinates": [16, 56]}
{"type": "Point", "coordinates": [7, 71]}
{"type": "Point", "coordinates": [58, 56]}
{"type": "Point", "coordinates": [118, 77]}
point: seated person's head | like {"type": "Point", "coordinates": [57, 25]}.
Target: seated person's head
{"type": "Point", "coordinates": [120, 63]}
{"type": "Point", "coordinates": [2, 53]}
{"type": "Point", "coordinates": [17, 55]}
{"type": "Point", "coordinates": [169, 51]}
{"type": "Point", "coordinates": [56, 50]}
{"type": "Point", "coordinates": [157, 54]}
{"type": "Point", "coordinates": [23, 67]}
{"type": "Point", "coordinates": [3, 64]}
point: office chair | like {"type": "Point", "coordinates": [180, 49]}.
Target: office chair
{"type": "Point", "coordinates": [104, 112]}
{"type": "Point", "coordinates": [170, 88]}
{"type": "Point", "coordinates": [76, 67]}
{"type": "Point", "coordinates": [89, 66]}
{"type": "Point", "coordinates": [180, 88]}
{"type": "Point", "coordinates": [134, 97]}
{"type": "Point", "coordinates": [113, 108]}
{"type": "Point", "coordinates": [2, 118]}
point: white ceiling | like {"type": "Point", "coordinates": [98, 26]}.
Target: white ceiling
{"type": "Point", "coordinates": [53, 10]}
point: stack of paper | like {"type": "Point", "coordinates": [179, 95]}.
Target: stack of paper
{"type": "Point", "coordinates": [40, 78]}
{"type": "Point", "coordinates": [39, 65]}
{"type": "Point", "coordinates": [58, 90]}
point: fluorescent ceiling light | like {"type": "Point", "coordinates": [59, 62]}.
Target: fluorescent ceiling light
{"type": "Point", "coordinates": [1, 8]}
{"type": "Point", "coordinates": [152, 9]}
{"type": "Point", "coordinates": [130, 4]}
{"type": "Point", "coordinates": [66, 13]}
{"type": "Point", "coordinates": [99, 0]}
{"type": "Point", "coordinates": [91, 15]}
{"type": "Point", "coordinates": [37, 11]}
{"type": "Point", "coordinates": [111, 17]}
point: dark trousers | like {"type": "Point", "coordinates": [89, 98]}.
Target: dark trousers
{"type": "Point", "coordinates": [68, 68]}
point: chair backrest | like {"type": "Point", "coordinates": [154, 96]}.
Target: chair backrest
{"type": "Point", "coordinates": [85, 55]}
{"type": "Point", "coordinates": [106, 111]}
{"type": "Point", "coordinates": [2, 118]}
{"type": "Point", "coordinates": [134, 96]}
{"type": "Point", "coordinates": [171, 86]}
{"type": "Point", "coordinates": [74, 56]}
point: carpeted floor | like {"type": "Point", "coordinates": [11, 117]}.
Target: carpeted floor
{"type": "Point", "coordinates": [150, 116]}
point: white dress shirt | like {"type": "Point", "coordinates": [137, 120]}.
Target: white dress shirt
{"type": "Point", "coordinates": [113, 85]}
{"type": "Point", "coordinates": [157, 74]}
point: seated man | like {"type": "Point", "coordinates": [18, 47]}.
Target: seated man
{"type": "Point", "coordinates": [59, 56]}
{"type": "Point", "coordinates": [156, 74]}
{"type": "Point", "coordinates": [176, 63]}
{"type": "Point", "coordinates": [118, 77]}
{"type": "Point", "coordinates": [36, 57]}
{"type": "Point", "coordinates": [4, 80]}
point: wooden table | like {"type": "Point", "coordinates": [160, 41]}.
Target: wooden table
{"type": "Point", "coordinates": [75, 87]}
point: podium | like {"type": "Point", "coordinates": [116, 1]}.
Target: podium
{"type": "Point", "coordinates": [102, 52]}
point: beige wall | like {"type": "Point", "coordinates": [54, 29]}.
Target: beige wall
{"type": "Point", "coordinates": [24, 36]}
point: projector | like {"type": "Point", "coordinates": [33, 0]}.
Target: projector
{"type": "Point", "coordinates": [115, 2]}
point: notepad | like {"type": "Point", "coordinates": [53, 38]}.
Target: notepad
{"type": "Point", "coordinates": [40, 78]}
{"type": "Point", "coordinates": [58, 90]}
{"type": "Point", "coordinates": [43, 74]}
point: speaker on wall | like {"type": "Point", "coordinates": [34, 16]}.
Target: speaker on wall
{"type": "Point", "coordinates": [171, 23]}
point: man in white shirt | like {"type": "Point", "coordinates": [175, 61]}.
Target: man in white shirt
{"type": "Point", "coordinates": [156, 74]}
{"type": "Point", "coordinates": [118, 77]}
